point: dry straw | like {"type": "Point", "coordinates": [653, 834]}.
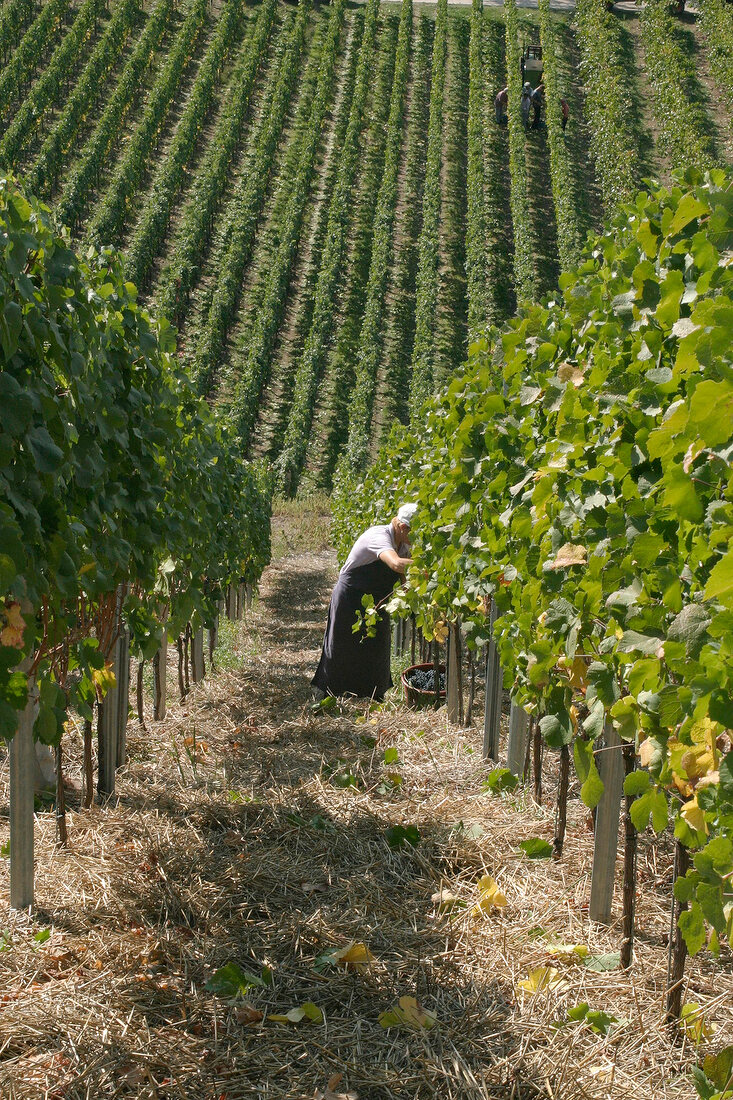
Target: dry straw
{"type": "Point", "coordinates": [233, 839]}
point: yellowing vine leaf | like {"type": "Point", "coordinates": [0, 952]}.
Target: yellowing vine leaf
{"type": "Point", "coordinates": [356, 956]}
{"type": "Point", "coordinates": [543, 979]}
{"type": "Point", "coordinates": [447, 900]}
{"type": "Point", "coordinates": [569, 950]}
{"type": "Point", "coordinates": [569, 554]}
{"type": "Point", "coordinates": [490, 897]}
{"type": "Point", "coordinates": [694, 816]}
{"type": "Point", "coordinates": [12, 632]}
{"type": "Point", "coordinates": [306, 1011]}
{"type": "Point", "coordinates": [570, 372]}
{"type": "Point", "coordinates": [694, 1024]}
{"type": "Point", "coordinates": [441, 630]}
{"type": "Point", "coordinates": [408, 1014]}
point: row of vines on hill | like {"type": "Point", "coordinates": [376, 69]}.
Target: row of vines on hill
{"type": "Point", "coordinates": [171, 175]}
{"type": "Point", "coordinates": [578, 475]}
{"type": "Point", "coordinates": [249, 208]}
{"type": "Point", "coordinates": [114, 474]}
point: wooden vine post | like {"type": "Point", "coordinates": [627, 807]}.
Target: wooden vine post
{"type": "Point", "coordinates": [160, 662]}
{"type": "Point", "coordinates": [677, 953]}
{"type": "Point", "coordinates": [122, 671]}
{"type": "Point", "coordinates": [232, 602]}
{"type": "Point", "coordinates": [453, 656]}
{"type": "Point", "coordinates": [607, 820]}
{"type": "Point", "coordinates": [197, 655]}
{"type": "Point", "coordinates": [630, 852]}
{"type": "Point", "coordinates": [492, 698]}
{"type": "Point", "coordinates": [517, 743]}
{"type": "Point", "coordinates": [22, 770]}
{"type": "Point", "coordinates": [110, 718]}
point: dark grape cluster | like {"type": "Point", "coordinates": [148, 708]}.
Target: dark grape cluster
{"type": "Point", "coordinates": [424, 679]}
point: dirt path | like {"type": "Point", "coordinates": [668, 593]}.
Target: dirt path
{"type": "Point", "coordinates": [250, 830]}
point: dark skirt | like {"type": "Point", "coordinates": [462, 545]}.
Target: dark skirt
{"type": "Point", "coordinates": [355, 664]}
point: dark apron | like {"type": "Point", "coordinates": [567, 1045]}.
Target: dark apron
{"type": "Point", "coordinates": [354, 663]}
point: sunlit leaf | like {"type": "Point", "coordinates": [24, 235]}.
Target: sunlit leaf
{"type": "Point", "coordinates": [490, 897]}
{"type": "Point", "coordinates": [409, 1015]}
{"type": "Point", "coordinates": [543, 979]}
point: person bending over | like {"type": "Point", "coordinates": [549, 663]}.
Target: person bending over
{"type": "Point", "coordinates": [353, 663]}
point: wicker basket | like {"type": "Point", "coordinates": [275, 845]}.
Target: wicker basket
{"type": "Point", "coordinates": [415, 697]}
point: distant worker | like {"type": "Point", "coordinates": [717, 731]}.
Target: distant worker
{"type": "Point", "coordinates": [565, 112]}
{"type": "Point", "coordinates": [351, 662]}
{"type": "Point", "coordinates": [501, 104]}
{"type": "Point", "coordinates": [526, 103]}
{"type": "Point", "coordinates": [538, 101]}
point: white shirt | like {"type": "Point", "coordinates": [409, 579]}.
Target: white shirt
{"type": "Point", "coordinates": [370, 545]}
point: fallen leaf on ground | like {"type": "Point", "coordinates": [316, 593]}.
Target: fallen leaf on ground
{"type": "Point", "coordinates": [543, 979]}
{"type": "Point", "coordinates": [490, 897]}
{"type": "Point", "coordinates": [331, 1094]}
{"type": "Point", "coordinates": [407, 1013]}
{"type": "Point", "coordinates": [247, 1014]}
{"type": "Point", "coordinates": [306, 1011]}
{"type": "Point", "coordinates": [356, 956]}
{"type": "Point", "coordinates": [447, 900]}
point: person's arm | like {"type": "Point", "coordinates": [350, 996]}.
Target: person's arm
{"type": "Point", "coordinates": [394, 561]}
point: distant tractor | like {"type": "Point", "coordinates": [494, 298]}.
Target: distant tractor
{"type": "Point", "coordinates": [531, 64]}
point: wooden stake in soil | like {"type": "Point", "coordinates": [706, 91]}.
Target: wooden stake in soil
{"type": "Point", "coordinates": [123, 695]}
{"type": "Point", "coordinates": [630, 849]}
{"type": "Point", "coordinates": [537, 753]}
{"type": "Point", "coordinates": [412, 639]}
{"type": "Point", "coordinates": [232, 602]}
{"type": "Point", "coordinates": [607, 819]}
{"type": "Point", "coordinates": [197, 655]}
{"type": "Point", "coordinates": [181, 664]}
{"type": "Point", "coordinates": [140, 693]}
{"type": "Point", "coordinates": [518, 727]}
{"type": "Point", "coordinates": [88, 765]}
{"type": "Point", "coordinates": [493, 692]}
{"type": "Point", "coordinates": [436, 672]}
{"type": "Point", "coordinates": [471, 687]}
{"type": "Point", "coordinates": [61, 834]}
{"type": "Point", "coordinates": [22, 767]}
{"type": "Point", "coordinates": [451, 676]}
{"type": "Point", "coordinates": [160, 661]}
{"type": "Point", "coordinates": [109, 721]}
{"type": "Point", "coordinates": [562, 801]}
{"type": "Point", "coordinates": [677, 953]}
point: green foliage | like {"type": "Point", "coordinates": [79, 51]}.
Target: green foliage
{"type": "Point", "coordinates": [46, 90]}
{"type": "Point", "coordinates": [19, 71]}
{"type": "Point", "coordinates": [426, 296]}
{"type": "Point", "coordinates": [85, 174]}
{"type": "Point", "coordinates": [232, 981]}
{"type": "Point", "coordinates": [501, 779]}
{"type": "Point", "coordinates": [171, 174]}
{"type": "Point", "coordinates": [341, 206]}
{"type": "Point", "coordinates": [399, 835]}
{"type": "Point", "coordinates": [684, 131]}
{"type": "Point", "coordinates": [536, 848]}
{"type": "Point", "coordinates": [565, 194]}
{"type": "Point", "coordinates": [615, 139]}
{"type": "Point", "coordinates": [109, 220]}
{"type": "Point", "coordinates": [42, 177]}
{"type": "Point", "coordinates": [182, 271]}
{"type": "Point", "coordinates": [113, 471]}
{"type": "Point", "coordinates": [525, 246]}
{"type": "Point", "coordinates": [273, 293]}
{"type": "Point", "coordinates": [588, 491]}
{"type": "Point", "coordinates": [371, 336]}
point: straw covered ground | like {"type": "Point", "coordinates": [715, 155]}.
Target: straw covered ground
{"type": "Point", "coordinates": [248, 829]}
